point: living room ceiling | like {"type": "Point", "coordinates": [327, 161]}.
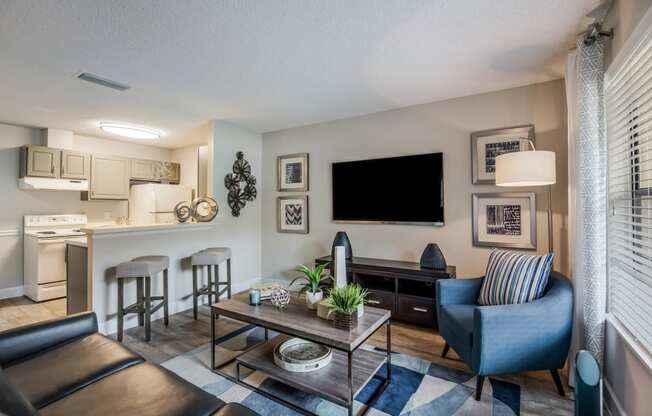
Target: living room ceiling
{"type": "Point", "coordinates": [267, 65]}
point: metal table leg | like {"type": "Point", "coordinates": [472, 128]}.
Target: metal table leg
{"type": "Point", "coordinates": [389, 351]}
{"type": "Point", "coordinates": [212, 340]}
{"type": "Point", "coordinates": [350, 383]}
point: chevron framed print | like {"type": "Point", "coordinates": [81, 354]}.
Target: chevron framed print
{"type": "Point", "coordinates": [293, 214]}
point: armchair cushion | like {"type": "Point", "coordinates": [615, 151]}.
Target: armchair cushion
{"type": "Point", "coordinates": [514, 278]}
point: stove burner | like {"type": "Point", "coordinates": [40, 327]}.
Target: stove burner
{"type": "Point", "coordinates": [46, 232]}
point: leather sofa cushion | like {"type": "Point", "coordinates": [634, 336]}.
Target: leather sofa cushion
{"type": "Point", "coordinates": [235, 409]}
{"type": "Point", "coordinates": [12, 401]}
{"type": "Point", "coordinates": [60, 371]}
{"type": "Point", "coordinates": [143, 390]}
{"type": "Point", "coordinates": [459, 320]}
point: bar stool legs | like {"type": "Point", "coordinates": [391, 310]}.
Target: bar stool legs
{"type": "Point", "coordinates": [166, 317]}
{"type": "Point", "coordinates": [148, 308]}
{"type": "Point", "coordinates": [195, 298]}
{"type": "Point", "coordinates": [139, 299]}
{"type": "Point", "coordinates": [143, 306]}
{"type": "Point", "coordinates": [228, 278]}
{"type": "Point", "coordinates": [210, 285]}
{"type": "Point", "coordinates": [120, 316]}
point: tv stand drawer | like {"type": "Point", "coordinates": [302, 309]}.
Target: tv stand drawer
{"type": "Point", "coordinates": [419, 311]}
{"type": "Point", "coordinates": [381, 299]}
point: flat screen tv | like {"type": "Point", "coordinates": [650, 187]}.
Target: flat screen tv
{"type": "Point", "coordinates": [395, 190]}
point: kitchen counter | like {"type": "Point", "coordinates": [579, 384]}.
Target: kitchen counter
{"type": "Point", "coordinates": [108, 229]}
{"type": "Point", "coordinates": [77, 242]}
{"type": "Point", "coordinates": [112, 244]}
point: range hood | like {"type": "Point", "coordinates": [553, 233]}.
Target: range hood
{"type": "Point", "coordinates": [34, 183]}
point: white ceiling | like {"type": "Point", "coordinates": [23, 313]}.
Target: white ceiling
{"type": "Point", "coordinates": [267, 65]}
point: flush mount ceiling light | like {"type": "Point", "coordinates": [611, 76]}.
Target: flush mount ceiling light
{"type": "Point", "coordinates": [126, 130]}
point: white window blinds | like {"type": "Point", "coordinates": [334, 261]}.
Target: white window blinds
{"type": "Point", "coordinates": [629, 123]}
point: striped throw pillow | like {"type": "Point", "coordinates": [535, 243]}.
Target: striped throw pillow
{"type": "Point", "coordinates": [514, 278]}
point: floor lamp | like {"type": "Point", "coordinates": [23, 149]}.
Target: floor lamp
{"type": "Point", "coordinates": [528, 168]}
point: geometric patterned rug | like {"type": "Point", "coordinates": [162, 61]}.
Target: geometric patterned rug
{"type": "Point", "coordinates": [418, 387]}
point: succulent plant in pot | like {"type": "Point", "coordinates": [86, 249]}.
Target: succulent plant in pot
{"type": "Point", "coordinates": [314, 281]}
{"type": "Point", "coordinates": [343, 303]}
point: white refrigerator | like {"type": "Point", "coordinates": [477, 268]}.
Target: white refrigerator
{"type": "Point", "coordinates": [154, 203]}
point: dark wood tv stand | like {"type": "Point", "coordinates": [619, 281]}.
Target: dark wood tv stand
{"type": "Point", "coordinates": [405, 288]}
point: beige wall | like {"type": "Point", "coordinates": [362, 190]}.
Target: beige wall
{"type": "Point", "coordinates": [627, 378]}
{"type": "Point", "coordinates": [436, 127]}
{"type": "Point", "coordinates": [17, 202]}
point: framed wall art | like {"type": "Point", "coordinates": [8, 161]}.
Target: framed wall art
{"type": "Point", "coordinates": [292, 214]}
{"type": "Point", "coordinates": [505, 220]}
{"type": "Point", "coordinates": [293, 172]}
{"type": "Point", "coordinates": [486, 145]}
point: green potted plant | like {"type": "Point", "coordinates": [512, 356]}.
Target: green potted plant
{"type": "Point", "coordinates": [314, 280]}
{"type": "Point", "coordinates": [343, 303]}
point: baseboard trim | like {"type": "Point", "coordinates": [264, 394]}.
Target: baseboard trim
{"type": "Point", "coordinates": [611, 401]}
{"type": "Point", "coordinates": [11, 292]}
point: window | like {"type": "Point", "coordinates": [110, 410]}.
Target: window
{"type": "Point", "coordinates": [629, 121]}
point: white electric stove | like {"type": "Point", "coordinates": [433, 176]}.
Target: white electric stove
{"type": "Point", "coordinates": [45, 253]}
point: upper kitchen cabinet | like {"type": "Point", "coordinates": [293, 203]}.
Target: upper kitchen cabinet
{"type": "Point", "coordinates": [143, 170]}
{"type": "Point", "coordinates": [75, 165]}
{"type": "Point", "coordinates": [40, 161]}
{"type": "Point", "coordinates": [109, 177]}
{"type": "Point", "coordinates": [168, 172]}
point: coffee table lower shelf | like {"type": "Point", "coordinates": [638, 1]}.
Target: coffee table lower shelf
{"type": "Point", "coordinates": [329, 383]}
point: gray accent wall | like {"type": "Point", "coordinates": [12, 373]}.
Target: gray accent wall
{"type": "Point", "coordinates": [436, 127]}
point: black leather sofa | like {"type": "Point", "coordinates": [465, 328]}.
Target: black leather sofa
{"type": "Point", "coordinates": [65, 367]}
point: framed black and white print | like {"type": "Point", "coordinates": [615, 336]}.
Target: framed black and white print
{"type": "Point", "coordinates": [293, 214]}
{"type": "Point", "coordinates": [293, 172]}
{"type": "Point", "coordinates": [486, 145]}
{"type": "Point", "coordinates": [505, 220]}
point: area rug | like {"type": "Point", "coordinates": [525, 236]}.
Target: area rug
{"type": "Point", "coordinates": [418, 387]}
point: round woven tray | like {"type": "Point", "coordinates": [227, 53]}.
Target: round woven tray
{"type": "Point", "coordinates": [301, 356]}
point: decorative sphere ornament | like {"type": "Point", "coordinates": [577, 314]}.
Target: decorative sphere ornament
{"type": "Point", "coordinates": [280, 298]}
{"type": "Point", "coordinates": [182, 211]}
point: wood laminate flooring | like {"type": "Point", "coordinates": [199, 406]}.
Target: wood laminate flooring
{"type": "Point", "coordinates": [538, 394]}
{"type": "Point", "coordinates": [23, 311]}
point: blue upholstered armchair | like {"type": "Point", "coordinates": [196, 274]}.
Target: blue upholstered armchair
{"type": "Point", "coordinates": [506, 338]}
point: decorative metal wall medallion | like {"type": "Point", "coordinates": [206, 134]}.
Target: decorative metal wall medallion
{"type": "Point", "coordinates": [241, 185]}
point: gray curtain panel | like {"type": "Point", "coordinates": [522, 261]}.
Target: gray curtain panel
{"type": "Point", "coordinates": [590, 214]}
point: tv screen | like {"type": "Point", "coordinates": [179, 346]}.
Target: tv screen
{"type": "Point", "coordinates": [405, 189]}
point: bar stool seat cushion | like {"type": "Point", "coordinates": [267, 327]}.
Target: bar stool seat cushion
{"type": "Point", "coordinates": [142, 266]}
{"type": "Point", "coordinates": [211, 256]}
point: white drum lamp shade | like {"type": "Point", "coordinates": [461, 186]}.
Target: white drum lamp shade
{"type": "Point", "coordinates": [529, 168]}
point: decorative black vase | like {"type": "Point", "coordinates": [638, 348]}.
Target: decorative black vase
{"type": "Point", "coordinates": [432, 258]}
{"type": "Point", "coordinates": [341, 239]}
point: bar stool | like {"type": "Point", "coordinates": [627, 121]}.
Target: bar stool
{"type": "Point", "coordinates": [211, 258]}
{"type": "Point", "coordinates": [142, 269]}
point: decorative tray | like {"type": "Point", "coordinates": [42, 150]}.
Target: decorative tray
{"type": "Point", "coordinates": [301, 356]}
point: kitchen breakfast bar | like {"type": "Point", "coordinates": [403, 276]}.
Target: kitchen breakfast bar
{"type": "Point", "coordinates": [110, 245]}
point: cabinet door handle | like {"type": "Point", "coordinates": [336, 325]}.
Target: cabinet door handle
{"type": "Point", "coordinates": [373, 302]}
{"type": "Point", "coordinates": [419, 309]}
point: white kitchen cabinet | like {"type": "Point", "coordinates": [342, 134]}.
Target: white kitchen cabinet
{"type": "Point", "coordinates": [75, 165]}
{"type": "Point", "coordinates": [143, 170]}
{"type": "Point", "coordinates": [109, 177]}
{"type": "Point", "coordinates": [168, 172]}
{"type": "Point", "coordinates": [40, 161]}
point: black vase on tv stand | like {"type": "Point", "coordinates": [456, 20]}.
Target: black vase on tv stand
{"type": "Point", "coordinates": [433, 258]}
{"type": "Point", "coordinates": [341, 239]}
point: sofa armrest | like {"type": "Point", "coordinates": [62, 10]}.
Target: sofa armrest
{"type": "Point", "coordinates": [458, 291]}
{"type": "Point", "coordinates": [30, 339]}
{"type": "Point", "coordinates": [522, 337]}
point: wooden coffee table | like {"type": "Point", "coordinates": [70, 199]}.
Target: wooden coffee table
{"type": "Point", "coordinates": [350, 370]}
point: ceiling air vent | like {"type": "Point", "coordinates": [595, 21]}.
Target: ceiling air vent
{"type": "Point", "coordinates": [102, 81]}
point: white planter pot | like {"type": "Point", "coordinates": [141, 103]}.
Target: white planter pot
{"type": "Point", "coordinates": [312, 299]}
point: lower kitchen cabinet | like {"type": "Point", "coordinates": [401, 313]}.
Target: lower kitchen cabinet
{"type": "Point", "coordinates": [77, 290]}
